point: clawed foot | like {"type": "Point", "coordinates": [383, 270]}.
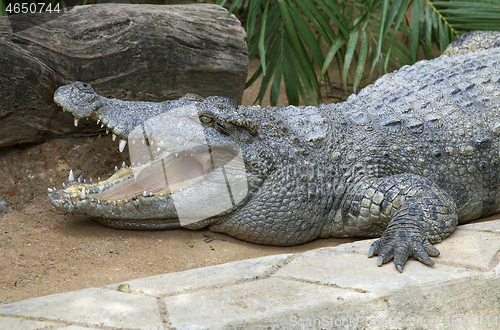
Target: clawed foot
{"type": "Point", "coordinates": [400, 246]}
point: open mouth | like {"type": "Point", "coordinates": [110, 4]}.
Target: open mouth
{"type": "Point", "coordinates": [174, 172]}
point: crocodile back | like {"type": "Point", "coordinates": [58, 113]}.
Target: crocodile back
{"type": "Point", "coordinates": [439, 119]}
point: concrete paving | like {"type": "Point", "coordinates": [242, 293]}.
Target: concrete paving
{"type": "Point", "coordinates": [327, 288]}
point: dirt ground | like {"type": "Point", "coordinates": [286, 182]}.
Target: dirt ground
{"type": "Point", "coordinates": [45, 251]}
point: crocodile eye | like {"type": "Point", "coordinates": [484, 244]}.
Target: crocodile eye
{"type": "Point", "coordinates": [86, 88]}
{"type": "Point", "coordinates": [206, 119]}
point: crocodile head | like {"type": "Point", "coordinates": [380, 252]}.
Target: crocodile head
{"type": "Point", "coordinates": [191, 160]}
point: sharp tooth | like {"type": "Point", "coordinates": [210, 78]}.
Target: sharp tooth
{"type": "Point", "coordinates": [50, 189]}
{"type": "Point", "coordinates": [124, 165]}
{"type": "Point", "coordinates": [76, 121]}
{"type": "Point", "coordinates": [161, 194]}
{"type": "Point", "coordinates": [82, 195]}
{"type": "Point", "coordinates": [113, 137]}
{"type": "Point", "coordinates": [84, 181]}
{"type": "Point", "coordinates": [144, 194]}
{"type": "Point", "coordinates": [64, 186]}
{"type": "Point", "coordinates": [102, 125]}
{"type": "Point", "coordinates": [71, 177]}
{"type": "Point", "coordinates": [55, 188]}
{"type": "Point", "coordinates": [122, 145]}
{"type": "Point", "coordinates": [158, 149]}
{"type": "Point", "coordinates": [114, 203]}
{"type": "Point", "coordinates": [151, 194]}
{"type": "Point", "coordinates": [107, 130]}
{"type": "Point", "coordinates": [98, 178]}
{"type": "Point", "coordinates": [92, 199]}
{"type": "Point", "coordinates": [116, 168]}
{"type": "Point", "coordinates": [98, 121]}
{"type": "Point", "coordinates": [90, 179]}
{"type": "Point", "coordinates": [79, 180]}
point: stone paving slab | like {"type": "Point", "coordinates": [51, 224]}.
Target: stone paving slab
{"type": "Point", "coordinates": [211, 276]}
{"type": "Point", "coordinates": [346, 271]}
{"type": "Point", "coordinates": [269, 301]}
{"type": "Point", "coordinates": [92, 307]}
{"type": "Point", "coordinates": [328, 288]}
{"type": "Point", "coordinates": [75, 327]}
{"type": "Point", "coordinates": [492, 226]}
{"type": "Point", "coordinates": [466, 248]}
{"type": "Point", "coordinates": [19, 323]}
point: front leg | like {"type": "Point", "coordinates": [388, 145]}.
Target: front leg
{"type": "Point", "coordinates": [420, 214]}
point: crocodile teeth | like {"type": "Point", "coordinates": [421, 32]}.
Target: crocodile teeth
{"type": "Point", "coordinates": [144, 194]}
{"type": "Point", "coordinates": [122, 145]}
{"type": "Point", "coordinates": [71, 177]}
{"type": "Point", "coordinates": [98, 121]}
{"type": "Point", "coordinates": [102, 125]}
{"type": "Point", "coordinates": [50, 189]}
{"type": "Point", "coordinates": [98, 178]}
{"type": "Point", "coordinates": [107, 130]}
{"type": "Point", "coordinates": [64, 186]}
{"type": "Point", "coordinates": [113, 137]}
{"type": "Point", "coordinates": [151, 194]}
{"type": "Point", "coordinates": [90, 179]}
{"type": "Point", "coordinates": [82, 195]}
{"type": "Point", "coordinates": [76, 121]}
{"type": "Point", "coordinates": [124, 165]}
{"type": "Point", "coordinates": [116, 168]}
{"type": "Point", "coordinates": [79, 180]}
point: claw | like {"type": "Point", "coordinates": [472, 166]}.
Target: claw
{"type": "Point", "coordinates": [371, 251]}
{"type": "Point", "coordinates": [431, 249]}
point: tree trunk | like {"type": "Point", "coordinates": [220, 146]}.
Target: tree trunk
{"type": "Point", "coordinates": [130, 52]}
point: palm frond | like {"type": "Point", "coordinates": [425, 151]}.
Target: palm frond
{"type": "Point", "coordinates": [289, 36]}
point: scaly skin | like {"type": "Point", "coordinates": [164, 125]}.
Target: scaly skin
{"type": "Point", "coordinates": [407, 159]}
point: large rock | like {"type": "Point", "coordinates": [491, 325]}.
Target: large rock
{"type": "Point", "coordinates": [134, 52]}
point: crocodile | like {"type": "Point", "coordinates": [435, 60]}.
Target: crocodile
{"type": "Point", "coordinates": [407, 159]}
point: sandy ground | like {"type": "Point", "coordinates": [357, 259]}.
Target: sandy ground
{"type": "Point", "coordinates": [45, 251]}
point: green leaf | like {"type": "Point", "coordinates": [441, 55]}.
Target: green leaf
{"type": "Point", "coordinates": [428, 32]}
{"type": "Point", "coordinates": [363, 52]}
{"type": "Point", "coordinates": [304, 67]}
{"type": "Point", "coordinates": [292, 82]}
{"type": "Point", "coordinates": [306, 35]}
{"type": "Point", "coordinates": [415, 28]}
{"type": "Point", "coordinates": [262, 50]}
{"type": "Point", "coordinates": [351, 46]}
{"type": "Point", "coordinates": [276, 85]}
{"type": "Point", "coordinates": [339, 42]}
